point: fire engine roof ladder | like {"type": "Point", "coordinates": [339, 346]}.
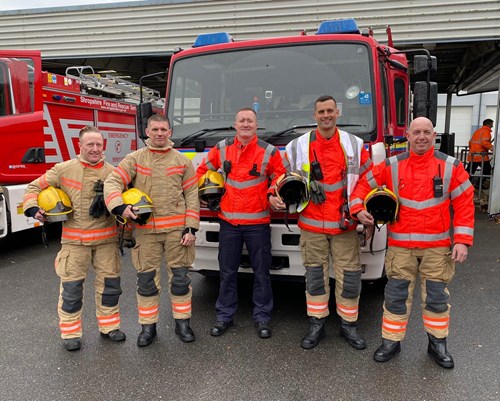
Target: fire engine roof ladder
{"type": "Point", "coordinates": [111, 85]}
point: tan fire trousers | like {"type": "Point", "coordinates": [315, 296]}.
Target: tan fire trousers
{"type": "Point", "coordinates": [72, 264]}
{"type": "Point", "coordinates": [435, 268]}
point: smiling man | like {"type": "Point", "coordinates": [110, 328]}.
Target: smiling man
{"type": "Point", "coordinates": [333, 160]}
{"type": "Point", "coordinates": [434, 194]}
{"type": "Point", "coordinates": [248, 165]}
{"type": "Point", "coordinates": [169, 179]}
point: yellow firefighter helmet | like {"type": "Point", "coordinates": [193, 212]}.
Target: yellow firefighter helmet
{"type": "Point", "coordinates": [141, 201]}
{"type": "Point", "coordinates": [211, 189]}
{"type": "Point", "coordinates": [292, 189]}
{"type": "Point", "coordinates": [56, 204]}
{"type": "Point", "coordinates": [383, 205]}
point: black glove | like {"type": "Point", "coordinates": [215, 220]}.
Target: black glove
{"type": "Point", "coordinates": [32, 211]}
{"type": "Point", "coordinates": [98, 207]}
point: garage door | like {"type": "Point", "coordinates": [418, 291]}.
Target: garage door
{"type": "Point", "coordinates": [460, 123]}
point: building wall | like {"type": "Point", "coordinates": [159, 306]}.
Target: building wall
{"type": "Point", "coordinates": [159, 26]}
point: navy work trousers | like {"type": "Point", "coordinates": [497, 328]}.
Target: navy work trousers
{"type": "Point", "coordinates": [257, 238]}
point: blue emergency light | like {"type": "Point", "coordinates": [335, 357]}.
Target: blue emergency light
{"type": "Point", "coordinates": [216, 38]}
{"type": "Point", "coordinates": [338, 26]}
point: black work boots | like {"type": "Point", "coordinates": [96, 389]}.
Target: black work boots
{"type": "Point", "coordinates": [348, 330]}
{"type": "Point", "coordinates": [387, 350]}
{"type": "Point", "coordinates": [183, 330]}
{"type": "Point", "coordinates": [316, 333]}
{"type": "Point", "coordinates": [147, 335]}
{"type": "Point", "coordinates": [437, 349]}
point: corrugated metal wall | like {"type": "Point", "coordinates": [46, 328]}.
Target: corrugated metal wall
{"type": "Point", "coordinates": [160, 26]}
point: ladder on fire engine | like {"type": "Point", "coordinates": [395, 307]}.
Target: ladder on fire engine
{"type": "Point", "coordinates": [112, 86]}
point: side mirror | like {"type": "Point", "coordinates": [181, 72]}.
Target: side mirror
{"type": "Point", "coordinates": [144, 111]}
{"type": "Point", "coordinates": [423, 64]}
{"type": "Point", "coordinates": [425, 97]}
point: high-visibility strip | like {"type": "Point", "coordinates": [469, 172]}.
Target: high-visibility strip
{"type": "Point", "coordinates": [393, 326]}
{"type": "Point", "coordinates": [189, 183]}
{"type": "Point", "coordinates": [30, 197]}
{"type": "Point", "coordinates": [332, 187]}
{"type": "Point", "coordinates": [113, 195]}
{"type": "Point", "coordinates": [246, 184]}
{"type": "Point", "coordinates": [164, 222]}
{"type": "Point", "coordinates": [460, 189]}
{"type": "Point", "coordinates": [181, 307]}
{"type": "Point", "coordinates": [246, 216]}
{"type": "Point", "coordinates": [317, 307]}
{"type": "Point", "coordinates": [439, 323]}
{"type": "Point", "coordinates": [463, 230]}
{"type": "Point", "coordinates": [151, 311]}
{"type": "Point", "coordinates": [69, 328]}
{"type": "Point", "coordinates": [43, 181]}
{"type": "Point", "coordinates": [123, 175]}
{"type": "Point", "coordinates": [318, 223]}
{"type": "Point", "coordinates": [89, 235]}
{"type": "Point", "coordinates": [142, 170]}
{"type": "Point", "coordinates": [111, 320]}
{"type": "Point", "coordinates": [71, 183]}
{"type": "Point", "coordinates": [365, 166]}
{"type": "Point", "coordinates": [419, 237]}
{"type": "Point", "coordinates": [421, 205]}
{"type": "Point", "coordinates": [347, 310]}
{"type": "Point", "coordinates": [173, 170]}
{"type": "Point", "coordinates": [192, 214]}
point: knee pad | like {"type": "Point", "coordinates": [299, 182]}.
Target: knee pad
{"type": "Point", "coordinates": [112, 291]}
{"type": "Point", "coordinates": [437, 299]}
{"type": "Point", "coordinates": [396, 294]}
{"type": "Point", "coordinates": [315, 282]}
{"type": "Point", "coordinates": [180, 281]}
{"type": "Point", "coordinates": [72, 296]}
{"type": "Point", "coordinates": [146, 284]}
{"type": "Point", "coordinates": [351, 287]}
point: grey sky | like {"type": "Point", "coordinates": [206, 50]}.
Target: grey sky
{"type": "Point", "coordinates": [6, 5]}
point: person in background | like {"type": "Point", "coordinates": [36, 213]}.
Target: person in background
{"type": "Point", "coordinates": [480, 146]}
{"type": "Point", "coordinates": [434, 193]}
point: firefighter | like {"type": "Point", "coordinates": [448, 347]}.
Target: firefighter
{"type": "Point", "coordinates": [479, 147]}
{"type": "Point", "coordinates": [427, 183]}
{"type": "Point", "coordinates": [333, 160]}
{"type": "Point", "coordinates": [169, 180]}
{"type": "Point", "coordinates": [89, 237]}
{"type": "Point", "coordinates": [248, 165]}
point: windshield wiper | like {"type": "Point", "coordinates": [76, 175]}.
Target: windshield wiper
{"type": "Point", "coordinates": [202, 132]}
{"type": "Point", "coordinates": [290, 130]}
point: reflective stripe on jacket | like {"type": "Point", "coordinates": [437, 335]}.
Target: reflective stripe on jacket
{"type": "Point", "coordinates": [77, 178]}
{"type": "Point", "coordinates": [168, 177]}
{"type": "Point", "coordinates": [480, 143]}
{"type": "Point", "coordinates": [255, 167]}
{"type": "Point", "coordinates": [424, 220]}
{"type": "Point", "coordinates": [343, 159]}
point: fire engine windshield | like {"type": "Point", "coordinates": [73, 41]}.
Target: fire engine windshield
{"type": "Point", "coordinates": [281, 83]}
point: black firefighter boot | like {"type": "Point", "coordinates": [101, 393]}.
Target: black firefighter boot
{"type": "Point", "coordinates": [183, 330]}
{"type": "Point", "coordinates": [437, 349]}
{"type": "Point", "coordinates": [387, 350]}
{"type": "Point", "coordinates": [348, 330]}
{"type": "Point", "coordinates": [147, 335]}
{"type": "Point", "coordinates": [317, 332]}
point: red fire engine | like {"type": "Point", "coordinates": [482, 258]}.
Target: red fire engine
{"type": "Point", "coordinates": [281, 78]}
{"type": "Point", "coordinates": [40, 116]}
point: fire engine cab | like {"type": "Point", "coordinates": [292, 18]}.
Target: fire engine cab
{"type": "Point", "coordinates": [281, 78]}
{"type": "Point", "coordinates": [41, 115]}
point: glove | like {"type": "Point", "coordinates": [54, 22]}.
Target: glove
{"type": "Point", "coordinates": [317, 193]}
{"type": "Point", "coordinates": [98, 207]}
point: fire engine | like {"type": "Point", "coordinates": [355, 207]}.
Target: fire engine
{"type": "Point", "coordinates": [41, 114]}
{"type": "Point", "coordinates": [281, 78]}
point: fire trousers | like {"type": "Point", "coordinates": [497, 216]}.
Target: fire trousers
{"type": "Point", "coordinates": [147, 257]}
{"type": "Point", "coordinates": [317, 251]}
{"type": "Point", "coordinates": [436, 269]}
{"type": "Point", "coordinates": [257, 238]}
{"type": "Point", "coordinates": [72, 264]}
